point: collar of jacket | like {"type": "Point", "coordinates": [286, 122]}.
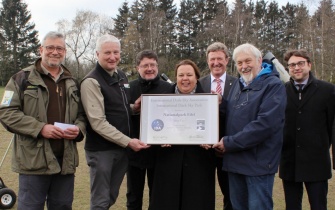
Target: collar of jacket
{"type": "Point", "coordinates": [311, 79]}
{"type": "Point", "coordinates": [36, 71]}
{"type": "Point", "coordinates": [146, 85]}
{"type": "Point", "coordinates": [267, 69]}
{"type": "Point", "coordinates": [38, 67]}
{"type": "Point", "coordinates": [108, 78]}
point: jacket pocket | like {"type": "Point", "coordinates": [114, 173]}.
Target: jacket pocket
{"type": "Point", "coordinates": [73, 105]}
{"type": "Point", "coordinates": [30, 102]}
{"type": "Point", "coordinates": [30, 154]}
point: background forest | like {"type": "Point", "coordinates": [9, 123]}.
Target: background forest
{"type": "Point", "coordinates": [176, 32]}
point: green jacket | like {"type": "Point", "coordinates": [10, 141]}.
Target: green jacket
{"type": "Point", "coordinates": [25, 114]}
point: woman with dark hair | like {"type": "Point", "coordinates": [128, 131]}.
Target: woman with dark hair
{"type": "Point", "coordinates": [184, 174]}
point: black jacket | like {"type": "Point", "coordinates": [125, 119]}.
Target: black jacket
{"type": "Point", "coordinates": [308, 132]}
{"type": "Point", "coordinates": [184, 176]}
{"type": "Point", "coordinates": [144, 158]}
{"type": "Point", "coordinates": [117, 108]}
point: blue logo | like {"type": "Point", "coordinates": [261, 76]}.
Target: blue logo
{"type": "Point", "coordinates": [157, 125]}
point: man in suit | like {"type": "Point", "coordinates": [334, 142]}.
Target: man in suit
{"type": "Point", "coordinates": [309, 116]}
{"type": "Point", "coordinates": [218, 81]}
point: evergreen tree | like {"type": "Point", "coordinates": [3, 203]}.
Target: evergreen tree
{"type": "Point", "coordinates": [121, 30]}
{"type": "Point", "coordinates": [187, 29]}
{"type": "Point", "coordinates": [167, 51]}
{"type": "Point", "coordinates": [290, 21]}
{"type": "Point", "coordinates": [258, 25]}
{"type": "Point", "coordinates": [273, 29]}
{"type": "Point", "coordinates": [303, 26]}
{"type": "Point", "coordinates": [19, 39]}
{"type": "Point", "coordinates": [168, 35]}
{"type": "Point", "coordinates": [121, 21]}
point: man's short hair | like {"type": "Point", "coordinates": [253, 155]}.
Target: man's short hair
{"type": "Point", "coordinates": [53, 35]}
{"type": "Point", "coordinates": [146, 54]}
{"type": "Point", "coordinates": [299, 53]}
{"type": "Point", "coordinates": [217, 46]}
{"type": "Point", "coordinates": [105, 39]}
{"type": "Point", "coordinates": [247, 48]}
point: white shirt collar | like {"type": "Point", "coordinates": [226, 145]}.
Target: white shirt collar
{"type": "Point", "coordinates": [223, 77]}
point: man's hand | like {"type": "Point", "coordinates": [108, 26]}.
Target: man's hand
{"type": "Point", "coordinates": [71, 133]}
{"type": "Point", "coordinates": [166, 145]}
{"type": "Point", "coordinates": [137, 145]}
{"type": "Point", "coordinates": [219, 147]}
{"type": "Point", "coordinates": [52, 132]}
{"type": "Point", "coordinates": [137, 105]}
{"type": "Point", "coordinates": [219, 95]}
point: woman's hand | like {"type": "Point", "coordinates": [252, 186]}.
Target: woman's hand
{"type": "Point", "coordinates": [166, 145]}
{"type": "Point", "coordinates": [206, 146]}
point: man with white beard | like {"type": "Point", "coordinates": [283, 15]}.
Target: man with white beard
{"type": "Point", "coordinates": [254, 130]}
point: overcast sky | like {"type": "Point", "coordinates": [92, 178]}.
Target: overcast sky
{"type": "Point", "coordinates": [46, 13]}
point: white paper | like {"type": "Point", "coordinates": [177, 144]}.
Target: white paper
{"type": "Point", "coordinates": [63, 126]}
{"type": "Point", "coordinates": [179, 119]}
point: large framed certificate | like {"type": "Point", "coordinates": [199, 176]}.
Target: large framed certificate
{"type": "Point", "coordinates": [179, 119]}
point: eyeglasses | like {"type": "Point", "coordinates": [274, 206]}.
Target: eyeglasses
{"type": "Point", "coordinates": [51, 48]}
{"type": "Point", "coordinates": [300, 64]}
{"type": "Point", "coordinates": [151, 65]}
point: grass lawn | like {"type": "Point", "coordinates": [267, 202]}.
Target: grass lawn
{"type": "Point", "coordinates": [81, 200]}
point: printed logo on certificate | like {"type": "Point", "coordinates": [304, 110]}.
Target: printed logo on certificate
{"type": "Point", "coordinates": [179, 119]}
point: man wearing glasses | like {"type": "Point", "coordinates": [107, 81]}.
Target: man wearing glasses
{"type": "Point", "coordinates": [45, 154]}
{"type": "Point", "coordinates": [309, 117]}
{"type": "Point", "coordinates": [252, 142]}
{"type": "Point", "coordinates": [141, 164]}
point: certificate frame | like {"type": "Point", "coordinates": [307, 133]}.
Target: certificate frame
{"type": "Point", "coordinates": [179, 119]}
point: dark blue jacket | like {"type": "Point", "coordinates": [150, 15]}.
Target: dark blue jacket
{"type": "Point", "coordinates": [254, 125]}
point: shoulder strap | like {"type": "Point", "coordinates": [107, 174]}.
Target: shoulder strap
{"type": "Point", "coordinates": [21, 79]}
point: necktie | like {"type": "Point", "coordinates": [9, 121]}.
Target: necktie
{"type": "Point", "coordinates": [218, 86]}
{"type": "Point", "coordinates": [299, 87]}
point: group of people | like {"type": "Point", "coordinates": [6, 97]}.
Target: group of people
{"type": "Point", "coordinates": [263, 125]}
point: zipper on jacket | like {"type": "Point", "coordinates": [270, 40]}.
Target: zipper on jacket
{"type": "Point", "coordinates": [59, 91]}
{"type": "Point", "coordinates": [125, 102]}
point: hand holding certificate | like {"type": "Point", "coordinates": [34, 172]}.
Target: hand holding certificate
{"type": "Point", "coordinates": [179, 119]}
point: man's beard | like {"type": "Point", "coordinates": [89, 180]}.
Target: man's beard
{"type": "Point", "coordinates": [247, 79]}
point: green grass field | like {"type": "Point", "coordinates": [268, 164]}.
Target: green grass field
{"type": "Point", "coordinates": [82, 191]}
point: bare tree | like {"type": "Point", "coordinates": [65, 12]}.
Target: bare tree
{"type": "Point", "coordinates": [80, 34]}
{"type": "Point", "coordinates": [324, 25]}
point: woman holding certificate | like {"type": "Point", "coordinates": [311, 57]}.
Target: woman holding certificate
{"type": "Point", "coordinates": [184, 174]}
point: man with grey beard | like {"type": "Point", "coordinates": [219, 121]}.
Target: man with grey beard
{"type": "Point", "coordinates": [254, 130]}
